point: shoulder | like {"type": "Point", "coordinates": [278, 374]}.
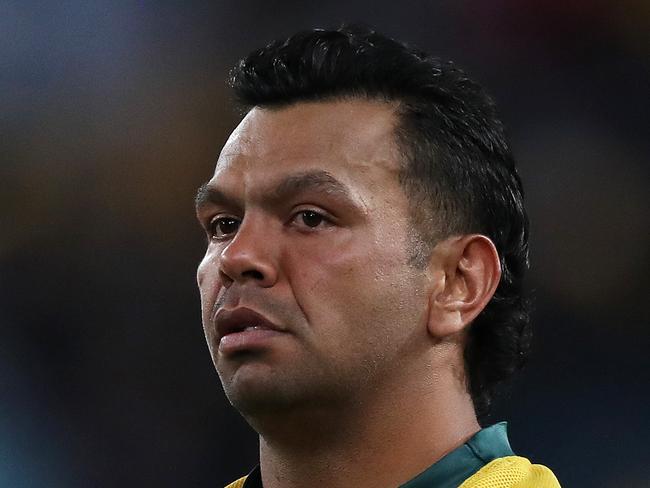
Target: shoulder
{"type": "Point", "coordinates": [512, 472]}
{"type": "Point", "coordinates": [238, 484]}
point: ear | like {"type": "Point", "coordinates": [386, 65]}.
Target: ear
{"type": "Point", "coordinates": [464, 273]}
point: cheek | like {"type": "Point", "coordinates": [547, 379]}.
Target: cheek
{"type": "Point", "coordinates": [355, 293]}
{"type": "Point", "coordinates": [320, 268]}
{"type": "Point", "coordinates": [207, 277]}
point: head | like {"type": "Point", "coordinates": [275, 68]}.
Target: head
{"type": "Point", "coordinates": [368, 207]}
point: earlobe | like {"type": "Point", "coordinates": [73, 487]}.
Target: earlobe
{"type": "Point", "coordinates": [465, 275]}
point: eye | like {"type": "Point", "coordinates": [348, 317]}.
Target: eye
{"type": "Point", "coordinates": [310, 219]}
{"type": "Point", "coordinates": [222, 227]}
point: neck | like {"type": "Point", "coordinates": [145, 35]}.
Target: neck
{"type": "Point", "coordinates": [383, 440]}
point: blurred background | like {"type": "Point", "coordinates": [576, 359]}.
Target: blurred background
{"type": "Point", "coordinates": [113, 113]}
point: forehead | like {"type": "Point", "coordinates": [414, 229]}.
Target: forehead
{"type": "Point", "coordinates": [351, 139]}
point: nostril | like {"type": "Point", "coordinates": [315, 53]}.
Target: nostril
{"type": "Point", "coordinates": [253, 273]}
{"type": "Point", "coordinates": [225, 279]}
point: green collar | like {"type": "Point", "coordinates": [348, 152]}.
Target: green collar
{"type": "Point", "coordinates": [461, 463]}
{"type": "Point", "coordinates": [450, 471]}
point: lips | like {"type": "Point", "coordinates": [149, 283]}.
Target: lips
{"type": "Point", "coordinates": [241, 320]}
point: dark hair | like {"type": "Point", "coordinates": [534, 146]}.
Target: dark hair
{"type": "Point", "coordinates": [458, 169]}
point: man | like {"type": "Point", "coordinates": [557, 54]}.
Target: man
{"type": "Point", "coordinates": [361, 290]}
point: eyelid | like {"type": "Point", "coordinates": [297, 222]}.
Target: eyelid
{"type": "Point", "coordinates": [328, 217]}
{"type": "Point", "coordinates": [220, 214]}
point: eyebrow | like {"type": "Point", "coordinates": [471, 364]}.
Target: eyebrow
{"type": "Point", "coordinates": [207, 195]}
{"type": "Point", "coordinates": [316, 181]}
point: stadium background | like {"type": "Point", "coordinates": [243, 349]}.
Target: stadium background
{"type": "Point", "coordinates": [111, 115]}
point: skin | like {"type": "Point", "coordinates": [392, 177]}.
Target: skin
{"type": "Point", "coordinates": [369, 369]}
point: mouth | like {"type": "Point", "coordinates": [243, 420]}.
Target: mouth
{"type": "Point", "coordinates": [244, 329]}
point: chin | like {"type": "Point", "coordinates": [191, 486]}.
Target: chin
{"type": "Point", "coordinates": [252, 400]}
{"type": "Point", "coordinates": [255, 395]}
{"type": "Point", "coordinates": [253, 386]}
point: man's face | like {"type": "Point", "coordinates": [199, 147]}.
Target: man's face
{"type": "Point", "coordinates": [308, 298]}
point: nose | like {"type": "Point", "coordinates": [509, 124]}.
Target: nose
{"type": "Point", "coordinates": [249, 256]}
